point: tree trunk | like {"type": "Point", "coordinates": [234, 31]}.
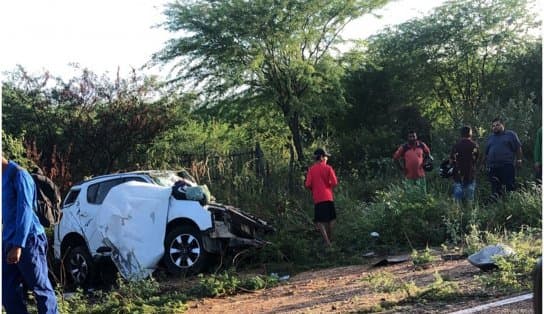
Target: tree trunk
{"type": "Point", "coordinates": [294, 126]}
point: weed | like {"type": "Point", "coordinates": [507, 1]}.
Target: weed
{"type": "Point", "coordinates": [383, 282]}
{"type": "Point", "coordinates": [130, 297]}
{"type": "Point", "coordinates": [422, 258]}
{"type": "Point", "coordinates": [228, 283]}
{"type": "Point", "coordinates": [440, 290]}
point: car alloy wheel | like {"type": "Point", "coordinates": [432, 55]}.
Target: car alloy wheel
{"type": "Point", "coordinates": [79, 266]}
{"type": "Point", "coordinates": [184, 252]}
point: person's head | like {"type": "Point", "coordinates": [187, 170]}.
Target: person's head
{"type": "Point", "coordinates": [466, 132]}
{"type": "Point", "coordinates": [412, 136]}
{"type": "Point", "coordinates": [497, 125]}
{"type": "Point", "coordinates": [321, 154]}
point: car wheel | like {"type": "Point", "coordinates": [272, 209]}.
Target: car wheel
{"type": "Point", "coordinates": [79, 266]}
{"type": "Point", "coordinates": [183, 251]}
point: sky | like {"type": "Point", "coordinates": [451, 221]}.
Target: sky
{"type": "Point", "coordinates": [102, 35]}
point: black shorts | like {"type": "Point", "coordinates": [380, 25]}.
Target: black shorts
{"type": "Point", "coordinates": [324, 212]}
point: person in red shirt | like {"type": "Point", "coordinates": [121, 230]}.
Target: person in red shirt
{"type": "Point", "coordinates": [413, 153]}
{"type": "Point", "coordinates": [321, 180]}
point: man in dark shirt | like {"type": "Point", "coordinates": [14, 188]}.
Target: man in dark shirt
{"type": "Point", "coordinates": [464, 155]}
{"type": "Point", "coordinates": [503, 152]}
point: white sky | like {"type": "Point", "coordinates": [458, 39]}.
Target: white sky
{"type": "Point", "coordinates": [105, 34]}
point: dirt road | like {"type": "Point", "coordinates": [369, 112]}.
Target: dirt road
{"type": "Point", "coordinates": [343, 290]}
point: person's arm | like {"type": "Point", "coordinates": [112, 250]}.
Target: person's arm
{"type": "Point", "coordinates": [24, 185]}
{"type": "Point", "coordinates": [476, 154]}
{"type": "Point", "coordinates": [397, 156]}
{"type": "Point", "coordinates": [483, 158]}
{"type": "Point", "coordinates": [519, 155]}
{"type": "Point", "coordinates": [308, 183]}
{"type": "Point", "coordinates": [426, 149]}
{"type": "Point", "coordinates": [332, 177]}
{"type": "Point", "coordinates": [399, 153]}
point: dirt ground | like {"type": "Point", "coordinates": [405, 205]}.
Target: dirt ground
{"type": "Point", "coordinates": [342, 290]}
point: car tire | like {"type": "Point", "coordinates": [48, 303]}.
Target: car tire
{"type": "Point", "coordinates": [79, 266]}
{"type": "Point", "coordinates": [184, 252]}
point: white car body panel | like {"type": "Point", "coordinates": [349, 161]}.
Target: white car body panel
{"type": "Point", "coordinates": [132, 222]}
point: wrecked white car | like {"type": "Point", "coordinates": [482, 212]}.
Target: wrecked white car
{"type": "Point", "coordinates": [136, 220]}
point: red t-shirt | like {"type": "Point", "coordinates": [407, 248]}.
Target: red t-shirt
{"type": "Point", "coordinates": [413, 159]}
{"type": "Point", "coordinates": [321, 179]}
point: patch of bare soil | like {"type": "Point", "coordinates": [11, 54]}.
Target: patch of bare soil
{"type": "Point", "coordinates": [343, 290]}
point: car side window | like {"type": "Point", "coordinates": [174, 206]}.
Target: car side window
{"type": "Point", "coordinates": [71, 197]}
{"type": "Point", "coordinates": [91, 193]}
{"type": "Point", "coordinates": [138, 179]}
{"type": "Point", "coordinates": [96, 193]}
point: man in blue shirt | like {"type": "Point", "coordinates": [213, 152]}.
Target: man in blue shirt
{"type": "Point", "coordinates": [24, 244]}
{"type": "Point", "coordinates": [503, 153]}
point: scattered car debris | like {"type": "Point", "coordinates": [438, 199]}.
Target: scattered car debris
{"type": "Point", "coordinates": [485, 258]}
{"type": "Point", "coordinates": [392, 260]}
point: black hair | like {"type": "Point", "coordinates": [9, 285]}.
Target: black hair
{"type": "Point", "coordinates": [465, 131]}
{"type": "Point", "coordinates": [497, 120]}
{"type": "Point", "coordinates": [411, 132]}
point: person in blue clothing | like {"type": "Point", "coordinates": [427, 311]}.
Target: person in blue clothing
{"type": "Point", "coordinates": [503, 154]}
{"type": "Point", "coordinates": [24, 244]}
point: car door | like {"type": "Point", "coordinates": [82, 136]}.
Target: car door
{"type": "Point", "coordinates": [96, 193]}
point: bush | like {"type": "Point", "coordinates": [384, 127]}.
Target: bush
{"type": "Point", "coordinates": [402, 216]}
{"type": "Point", "coordinates": [422, 258]}
{"type": "Point", "coordinates": [515, 270]}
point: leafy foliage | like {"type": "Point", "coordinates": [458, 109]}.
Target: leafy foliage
{"type": "Point", "coordinates": [278, 51]}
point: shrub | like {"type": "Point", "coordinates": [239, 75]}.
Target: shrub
{"type": "Point", "coordinates": [423, 257]}
{"type": "Point", "coordinates": [514, 271]}
{"type": "Point", "coordinates": [400, 216]}
{"type": "Point", "coordinates": [383, 282]}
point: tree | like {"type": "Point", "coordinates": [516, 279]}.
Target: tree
{"type": "Point", "coordinates": [455, 58]}
{"type": "Point", "coordinates": [88, 125]}
{"type": "Point", "coordinates": [274, 50]}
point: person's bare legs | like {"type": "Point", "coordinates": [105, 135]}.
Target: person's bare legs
{"type": "Point", "coordinates": [328, 228]}
{"type": "Point", "coordinates": [323, 230]}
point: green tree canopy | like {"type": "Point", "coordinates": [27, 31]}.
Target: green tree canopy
{"type": "Point", "coordinates": [275, 50]}
{"type": "Point", "coordinates": [453, 58]}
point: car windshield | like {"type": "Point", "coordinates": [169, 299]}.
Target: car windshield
{"type": "Point", "coordinates": [169, 178]}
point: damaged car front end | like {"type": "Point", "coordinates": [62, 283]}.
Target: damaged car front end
{"type": "Point", "coordinates": [241, 229]}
